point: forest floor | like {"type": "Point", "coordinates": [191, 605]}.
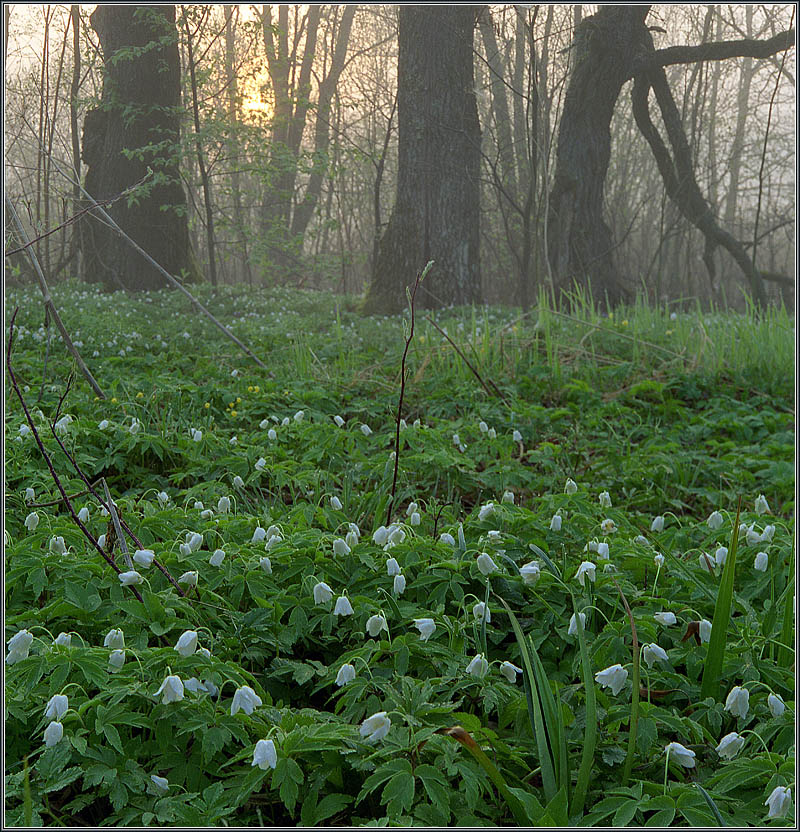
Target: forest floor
{"type": "Point", "coordinates": [589, 464]}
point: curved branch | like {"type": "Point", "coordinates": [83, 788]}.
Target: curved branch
{"type": "Point", "coordinates": [719, 51]}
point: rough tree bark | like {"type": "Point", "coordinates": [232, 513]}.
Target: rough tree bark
{"type": "Point", "coordinates": [579, 241]}
{"type": "Point", "coordinates": [437, 208]}
{"type": "Point", "coordinates": [612, 47]}
{"type": "Point", "coordinates": [136, 127]}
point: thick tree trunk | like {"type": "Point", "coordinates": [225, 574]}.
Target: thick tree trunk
{"type": "Point", "coordinates": [580, 243]}
{"type": "Point", "coordinates": [135, 128]}
{"type": "Point", "coordinates": [437, 209]}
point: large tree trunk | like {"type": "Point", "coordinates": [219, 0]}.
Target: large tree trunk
{"type": "Point", "coordinates": [136, 127]}
{"type": "Point", "coordinates": [437, 209]}
{"type": "Point", "coordinates": [579, 241]}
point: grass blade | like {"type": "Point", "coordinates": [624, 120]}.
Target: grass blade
{"type": "Point", "coordinates": [711, 805]}
{"type": "Point", "coordinates": [463, 736]}
{"type": "Point", "coordinates": [590, 734]}
{"type": "Point", "coordinates": [534, 708]}
{"type": "Point", "coordinates": [719, 626]}
{"type": "Point", "coordinates": [785, 656]}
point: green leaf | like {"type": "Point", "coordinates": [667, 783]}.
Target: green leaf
{"type": "Point", "coordinates": [112, 735]}
{"type": "Point", "coordinates": [712, 669]}
{"type": "Point", "coordinates": [436, 787]}
{"type": "Point", "coordinates": [214, 739]}
{"type": "Point", "coordinates": [398, 793]}
{"type": "Point", "coordinates": [646, 735]}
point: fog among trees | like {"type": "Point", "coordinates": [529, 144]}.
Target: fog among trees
{"type": "Point", "coordinates": [616, 150]}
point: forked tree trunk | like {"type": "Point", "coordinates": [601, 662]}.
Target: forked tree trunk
{"type": "Point", "coordinates": [136, 127]}
{"type": "Point", "coordinates": [579, 241]}
{"type": "Point", "coordinates": [437, 209]}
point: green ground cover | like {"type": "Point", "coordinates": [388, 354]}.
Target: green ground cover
{"type": "Point", "coordinates": [244, 480]}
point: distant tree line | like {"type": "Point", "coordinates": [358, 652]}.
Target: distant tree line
{"type": "Point", "coordinates": [522, 148]}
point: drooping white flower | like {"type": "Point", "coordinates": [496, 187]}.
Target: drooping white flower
{"type": "Point", "coordinates": [339, 421]}
{"type": "Point", "coordinates": [375, 727]}
{"type": "Point", "coordinates": [573, 624]}
{"type": "Point", "coordinates": [217, 558]}
{"type": "Point", "coordinates": [480, 610]}
{"type": "Point", "coordinates": [351, 539]}
{"type": "Point", "coordinates": [188, 578]}
{"type": "Point", "coordinates": [245, 699]}
{"type": "Point", "coordinates": [56, 707]}
{"type": "Point", "coordinates": [738, 701]}
{"type": "Point", "coordinates": [346, 674]}
{"type": "Point", "coordinates": [508, 497]}
{"type": "Point", "coordinates": [223, 504]}
{"type": "Point", "coordinates": [266, 565]}
{"type": "Point", "coordinates": [144, 557]}
{"type": "Point", "coordinates": [752, 537]}
{"type": "Point", "coordinates": [194, 540]}
{"type": "Point", "coordinates": [187, 643]}
{"type": "Point", "coordinates": [163, 498]}
{"type": "Point", "coordinates": [32, 521]}
{"type": "Point", "coordinates": [653, 653]}
{"type": "Point", "coordinates": [258, 535]}
{"type": "Point", "coordinates": [665, 618]}
{"type": "Point", "coordinates": [605, 499]}
{"type": "Point", "coordinates": [761, 562]}
{"type": "Point", "coordinates": [336, 503]}
{"type": "Point", "coordinates": [730, 745]}
{"type": "Point", "coordinates": [116, 658]}
{"type": "Point", "coordinates": [57, 545]}
{"type": "Point", "coordinates": [681, 754]}
{"type": "Point", "coordinates": [478, 666]}
{"type": "Point", "coordinates": [396, 535]}
{"type": "Point", "coordinates": [613, 677]}
{"type": "Point", "coordinates": [272, 434]}
{"type": "Point", "coordinates": [380, 535]}
{"type": "Point", "coordinates": [516, 436]}
{"type": "Point", "coordinates": [530, 573]}
{"type": "Point", "coordinates": [172, 690]}
{"type": "Point", "coordinates": [115, 639]}
{"type": "Point", "coordinates": [340, 547]}
{"type": "Point", "coordinates": [586, 569]}
{"type": "Point", "coordinates": [30, 495]}
{"type": "Point", "coordinates": [376, 623]}
{"type": "Point", "coordinates": [602, 551]}
{"type": "Point", "coordinates": [659, 559]}
{"type": "Point", "coordinates": [299, 416]}
{"type": "Point", "coordinates": [261, 464]}
{"type": "Point", "coordinates": [762, 506]}
{"type": "Point", "coordinates": [485, 564]}
{"type": "Point", "coordinates": [399, 586]}
{"type": "Point", "coordinates": [63, 640]}
{"type": "Point", "coordinates": [160, 783]}
{"type": "Point", "coordinates": [415, 519]}
{"type": "Point", "coordinates": [238, 482]}
{"type": "Point", "coordinates": [571, 486]}
{"type": "Point", "coordinates": [608, 526]}
{"type": "Point", "coordinates": [768, 533]}
{"type": "Point", "coordinates": [447, 538]}
{"type": "Point", "coordinates": [322, 593]}
{"type": "Point", "coordinates": [426, 627]}
{"type": "Point", "coordinates": [715, 520]}
{"type": "Point", "coordinates": [103, 424]}
{"type": "Point", "coordinates": [640, 540]}
{"type": "Point", "coordinates": [53, 734]}
{"type": "Point", "coordinates": [264, 755]}
{"type": "Point", "coordinates": [779, 802]}
{"type": "Point", "coordinates": [510, 671]}
{"type": "Point", "coordinates": [483, 427]}
{"type": "Point", "coordinates": [555, 523]}
{"type": "Point", "coordinates": [83, 515]}
{"type": "Point", "coordinates": [486, 511]}
{"type": "Point", "coordinates": [705, 631]}
{"type": "Point", "coordinates": [366, 430]}
{"type": "Point", "coordinates": [721, 555]}
{"type": "Point", "coordinates": [775, 705]}
{"type": "Point", "coordinates": [130, 578]}
{"type": "Point", "coordinates": [491, 433]}
{"type": "Point", "coordinates": [706, 562]}
{"type": "Point", "coordinates": [343, 606]}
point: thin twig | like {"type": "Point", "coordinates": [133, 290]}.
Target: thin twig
{"type": "Point", "coordinates": [89, 536]}
{"type": "Point", "coordinates": [48, 301]}
{"type": "Point", "coordinates": [112, 509]}
{"type": "Point", "coordinates": [420, 277]}
{"type": "Point", "coordinates": [634, 721]}
{"type": "Point", "coordinates": [465, 359]}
